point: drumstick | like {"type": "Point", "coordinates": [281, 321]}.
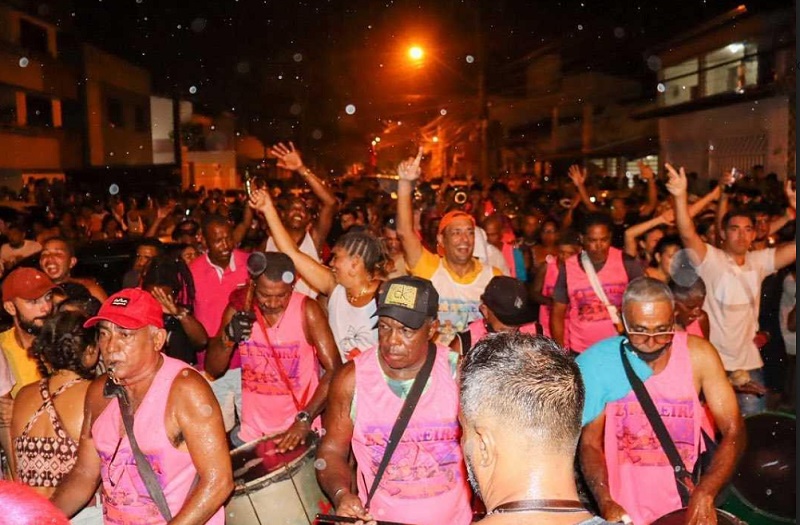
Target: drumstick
{"type": "Point", "coordinates": [330, 518]}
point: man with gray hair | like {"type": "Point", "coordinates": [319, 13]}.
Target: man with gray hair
{"type": "Point", "coordinates": [622, 457]}
{"type": "Point", "coordinates": [521, 402]}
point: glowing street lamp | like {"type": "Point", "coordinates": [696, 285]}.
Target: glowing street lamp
{"type": "Point", "coordinates": [416, 53]}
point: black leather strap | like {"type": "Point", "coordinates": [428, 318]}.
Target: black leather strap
{"type": "Point", "coordinates": [403, 418]}
{"type": "Point", "coordinates": [681, 474]}
{"type": "Point", "coordinates": [143, 466]}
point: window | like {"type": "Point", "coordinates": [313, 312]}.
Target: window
{"type": "Point", "coordinates": [140, 119]}
{"type": "Point", "coordinates": [33, 37]}
{"type": "Point", "coordinates": [39, 110]}
{"type": "Point", "coordinates": [680, 83]}
{"type": "Point", "coordinates": [731, 68]}
{"type": "Point", "coordinates": [114, 113]}
{"type": "Point", "coordinates": [8, 107]}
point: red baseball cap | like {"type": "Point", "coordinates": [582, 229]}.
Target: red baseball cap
{"type": "Point", "coordinates": [130, 308]}
{"type": "Point", "coordinates": [26, 283]}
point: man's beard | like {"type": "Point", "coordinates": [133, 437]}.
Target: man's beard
{"type": "Point", "coordinates": [473, 482]}
{"type": "Point", "coordinates": [29, 325]}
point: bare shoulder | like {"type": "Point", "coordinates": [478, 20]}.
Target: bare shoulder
{"type": "Point", "coordinates": [344, 380]}
{"type": "Point", "coordinates": [188, 386]}
{"type": "Point", "coordinates": [703, 354]}
{"type": "Point", "coordinates": [96, 402]}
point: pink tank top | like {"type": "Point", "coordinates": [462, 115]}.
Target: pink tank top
{"type": "Point", "coordinates": [478, 330]}
{"type": "Point", "coordinates": [550, 278]}
{"type": "Point", "coordinates": [640, 476]}
{"type": "Point", "coordinates": [268, 406]}
{"type": "Point", "coordinates": [588, 317]}
{"type": "Point", "coordinates": [694, 329]}
{"type": "Point", "coordinates": [425, 481]}
{"type": "Point", "coordinates": [125, 498]}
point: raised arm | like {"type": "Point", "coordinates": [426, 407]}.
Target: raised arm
{"type": "Point", "coordinates": [289, 158]}
{"type": "Point", "coordinates": [408, 173]}
{"type": "Point", "coordinates": [199, 420]}
{"type": "Point", "coordinates": [240, 231]}
{"type": "Point", "coordinates": [578, 177]}
{"type": "Point", "coordinates": [677, 186]}
{"type": "Point", "coordinates": [786, 253]}
{"type": "Point", "coordinates": [633, 233]}
{"type": "Point", "coordinates": [315, 274]}
{"type": "Point", "coordinates": [646, 172]}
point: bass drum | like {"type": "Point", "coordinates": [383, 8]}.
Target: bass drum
{"type": "Point", "coordinates": [274, 488]}
{"type": "Point", "coordinates": [764, 487]}
{"type": "Point", "coordinates": [679, 517]}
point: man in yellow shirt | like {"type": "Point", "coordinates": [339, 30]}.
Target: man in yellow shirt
{"type": "Point", "coordinates": [28, 298]}
{"type": "Point", "coordinates": [458, 277]}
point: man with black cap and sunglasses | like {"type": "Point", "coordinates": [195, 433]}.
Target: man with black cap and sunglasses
{"type": "Point", "coordinates": [638, 474]}
{"type": "Point", "coordinates": [396, 405]}
{"type": "Point", "coordinates": [505, 307]}
{"type": "Point", "coordinates": [285, 342]}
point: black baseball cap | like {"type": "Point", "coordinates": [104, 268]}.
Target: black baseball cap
{"type": "Point", "coordinates": [507, 298]}
{"type": "Point", "coordinates": [409, 300]}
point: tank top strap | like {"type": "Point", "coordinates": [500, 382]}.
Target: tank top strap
{"type": "Point", "coordinates": [55, 419]}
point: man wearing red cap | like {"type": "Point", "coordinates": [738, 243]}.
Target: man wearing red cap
{"type": "Point", "coordinates": [28, 299]}
{"type": "Point", "coordinates": [458, 277]}
{"type": "Point", "coordinates": [178, 426]}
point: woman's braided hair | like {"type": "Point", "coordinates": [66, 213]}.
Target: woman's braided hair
{"type": "Point", "coordinates": [62, 343]}
{"type": "Point", "coordinates": [366, 246]}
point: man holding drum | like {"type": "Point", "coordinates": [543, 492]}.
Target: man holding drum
{"type": "Point", "coordinates": [627, 464]}
{"type": "Point", "coordinates": [283, 340]}
{"type": "Point", "coordinates": [177, 469]}
{"type": "Point", "coordinates": [423, 479]}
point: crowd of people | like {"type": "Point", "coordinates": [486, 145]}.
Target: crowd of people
{"type": "Point", "coordinates": [452, 351]}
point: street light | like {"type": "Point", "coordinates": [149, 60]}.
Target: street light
{"type": "Point", "coordinates": [416, 53]}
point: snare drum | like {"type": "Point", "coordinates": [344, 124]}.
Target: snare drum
{"type": "Point", "coordinates": [764, 487]}
{"type": "Point", "coordinates": [275, 488]}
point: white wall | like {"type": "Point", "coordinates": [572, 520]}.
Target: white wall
{"type": "Point", "coordinates": [685, 139]}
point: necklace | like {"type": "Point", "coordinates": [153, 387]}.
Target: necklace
{"type": "Point", "coordinates": [539, 505]}
{"type": "Point", "coordinates": [354, 298]}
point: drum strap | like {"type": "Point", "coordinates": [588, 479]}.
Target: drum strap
{"type": "Point", "coordinates": [682, 476]}
{"type": "Point", "coordinates": [403, 418]}
{"type": "Point", "coordinates": [298, 404]}
{"type": "Point", "coordinates": [111, 389]}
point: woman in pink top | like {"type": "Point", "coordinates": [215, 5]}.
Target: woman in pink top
{"type": "Point", "coordinates": [545, 280]}
{"type": "Point", "coordinates": [689, 314]}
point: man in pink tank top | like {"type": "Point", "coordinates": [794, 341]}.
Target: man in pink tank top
{"type": "Point", "coordinates": [576, 306]}
{"type": "Point", "coordinates": [621, 456]}
{"type": "Point", "coordinates": [178, 426]}
{"type": "Point", "coordinates": [284, 342]}
{"type": "Point", "coordinates": [520, 461]}
{"type": "Point", "coordinates": [505, 307]}
{"type": "Point", "coordinates": [425, 481]}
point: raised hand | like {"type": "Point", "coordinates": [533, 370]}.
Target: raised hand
{"type": "Point", "coordinates": [727, 179]}
{"type": "Point", "coordinates": [645, 171]}
{"type": "Point", "coordinates": [288, 157]}
{"type": "Point", "coordinates": [166, 301]}
{"type": "Point", "coordinates": [677, 184]}
{"type": "Point", "coordinates": [409, 169]}
{"type": "Point", "coordinates": [259, 198]}
{"type": "Point", "coordinates": [577, 175]}
{"type": "Point", "coordinates": [668, 217]}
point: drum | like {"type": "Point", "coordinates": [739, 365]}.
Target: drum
{"type": "Point", "coordinates": [275, 488]}
{"type": "Point", "coordinates": [679, 517]}
{"type": "Point", "coordinates": [764, 487]}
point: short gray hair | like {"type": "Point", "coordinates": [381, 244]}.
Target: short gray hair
{"type": "Point", "coordinates": [647, 290]}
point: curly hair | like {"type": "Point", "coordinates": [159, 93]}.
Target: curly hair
{"type": "Point", "coordinates": [62, 344]}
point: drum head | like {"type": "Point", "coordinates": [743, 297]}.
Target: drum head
{"type": "Point", "coordinates": [260, 458]}
{"type": "Point", "coordinates": [765, 477]}
{"type": "Point", "coordinates": [679, 517]}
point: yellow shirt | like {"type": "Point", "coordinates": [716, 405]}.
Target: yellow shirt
{"type": "Point", "coordinates": [429, 263]}
{"type": "Point", "coordinates": [24, 368]}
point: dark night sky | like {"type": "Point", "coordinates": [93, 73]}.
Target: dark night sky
{"type": "Point", "coordinates": [276, 61]}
